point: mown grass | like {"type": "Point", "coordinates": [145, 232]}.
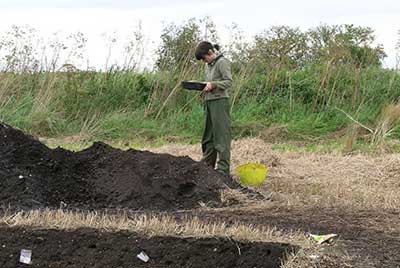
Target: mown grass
{"type": "Point", "coordinates": [303, 176]}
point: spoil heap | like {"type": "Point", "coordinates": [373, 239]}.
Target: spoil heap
{"type": "Point", "coordinates": [34, 176]}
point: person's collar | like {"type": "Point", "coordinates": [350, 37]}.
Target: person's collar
{"type": "Point", "coordinates": [215, 60]}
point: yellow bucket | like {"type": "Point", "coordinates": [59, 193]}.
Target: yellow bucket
{"type": "Point", "coordinates": [252, 174]}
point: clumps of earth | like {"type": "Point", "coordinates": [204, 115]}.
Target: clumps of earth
{"type": "Point", "coordinates": [99, 249]}
{"type": "Point", "coordinates": [100, 177]}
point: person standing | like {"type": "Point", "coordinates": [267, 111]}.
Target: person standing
{"type": "Point", "coordinates": [216, 140]}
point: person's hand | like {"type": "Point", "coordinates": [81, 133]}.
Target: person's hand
{"type": "Point", "coordinates": [208, 87]}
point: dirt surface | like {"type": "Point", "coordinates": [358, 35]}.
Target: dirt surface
{"type": "Point", "coordinates": [355, 196]}
{"type": "Point", "coordinates": [367, 238]}
{"type": "Point", "coordinates": [32, 176]}
{"type": "Point", "coordinates": [91, 248]}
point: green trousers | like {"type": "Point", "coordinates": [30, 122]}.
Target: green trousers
{"type": "Point", "coordinates": [216, 141]}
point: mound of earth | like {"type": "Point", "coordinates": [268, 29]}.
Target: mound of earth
{"type": "Point", "coordinates": [33, 175]}
{"type": "Point", "coordinates": [91, 248]}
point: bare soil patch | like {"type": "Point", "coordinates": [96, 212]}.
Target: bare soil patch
{"type": "Point", "coordinates": [367, 238]}
{"type": "Point", "coordinates": [92, 248]}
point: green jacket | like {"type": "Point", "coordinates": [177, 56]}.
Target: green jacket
{"type": "Point", "coordinates": [218, 72]}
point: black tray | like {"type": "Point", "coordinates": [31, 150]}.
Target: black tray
{"type": "Point", "coordinates": [193, 85]}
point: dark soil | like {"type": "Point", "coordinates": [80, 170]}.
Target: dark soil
{"type": "Point", "coordinates": [33, 175]}
{"type": "Point", "coordinates": [370, 237]}
{"type": "Point", "coordinates": [91, 248]}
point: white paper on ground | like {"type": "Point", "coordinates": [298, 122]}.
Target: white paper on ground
{"type": "Point", "coordinates": [143, 256]}
{"type": "Point", "coordinates": [26, 256]}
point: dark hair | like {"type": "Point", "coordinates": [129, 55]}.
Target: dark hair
{"type": "Point", "coordinates": [203, 48]}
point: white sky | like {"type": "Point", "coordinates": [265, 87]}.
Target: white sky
{"type": "Point", "coordinates": [98, 17]}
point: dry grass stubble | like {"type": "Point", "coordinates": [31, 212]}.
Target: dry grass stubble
{"type": "Point", "coordinates": [333, 179]}
{"type": "Point", "coordinates": [149, 225]}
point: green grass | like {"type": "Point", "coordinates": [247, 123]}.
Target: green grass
{"type": "Point", "coordinates": [143, 108]}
